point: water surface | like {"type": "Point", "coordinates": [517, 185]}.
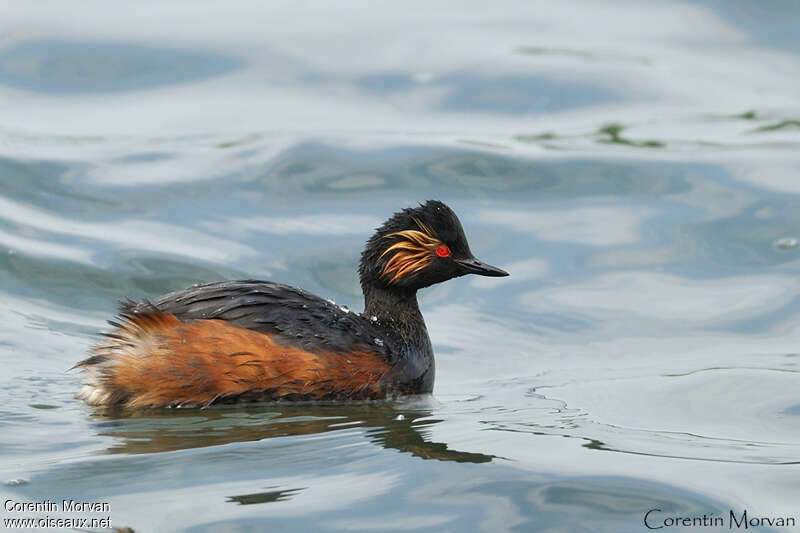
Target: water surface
{"type": "Point", "coordinates": [634, 168]}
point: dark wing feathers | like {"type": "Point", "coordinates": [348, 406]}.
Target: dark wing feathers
{"type": "Point", "coordinates": [291, 315]}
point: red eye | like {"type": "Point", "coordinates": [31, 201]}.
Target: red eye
{"type": "Point", "coordinates": [442, 250]}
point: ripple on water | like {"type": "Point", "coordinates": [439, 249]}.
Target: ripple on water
{"type": "Point", "coordinates": [678, 421]}
{"type": "Point", "coordinates": [60, 66]}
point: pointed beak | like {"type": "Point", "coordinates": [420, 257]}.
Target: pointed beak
{"type": "Point", "coordinates": [474, 266]}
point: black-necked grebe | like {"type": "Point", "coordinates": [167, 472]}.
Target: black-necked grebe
{"type": "Point", "coordinates": [254, 341]}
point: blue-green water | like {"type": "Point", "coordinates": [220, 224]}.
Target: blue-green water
{"type": "Point", "coordinates": [634, 166]}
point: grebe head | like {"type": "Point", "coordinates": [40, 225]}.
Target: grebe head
{"type": "Point", "coordinates": [418, 247]}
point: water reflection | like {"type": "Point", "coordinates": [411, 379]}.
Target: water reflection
{"type": "Point", "coordinates": [265, 497]}
{"type": "Point", "coordinates": [160, 430]}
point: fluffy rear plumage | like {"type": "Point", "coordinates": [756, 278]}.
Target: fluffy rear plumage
{"type": "Point", "coordinates": [154, 359]}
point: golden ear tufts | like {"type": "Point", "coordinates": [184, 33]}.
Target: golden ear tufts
{"type": "Point", "coordinates": [413, 252]}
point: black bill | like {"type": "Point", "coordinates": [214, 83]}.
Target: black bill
{"type": "Point", "coordinates": [474, 266]}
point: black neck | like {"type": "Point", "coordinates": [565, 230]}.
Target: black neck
{"type": "Point", "coordinates": [396, 305]}
{"type": "Point", "coordinates": [397, 309]}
